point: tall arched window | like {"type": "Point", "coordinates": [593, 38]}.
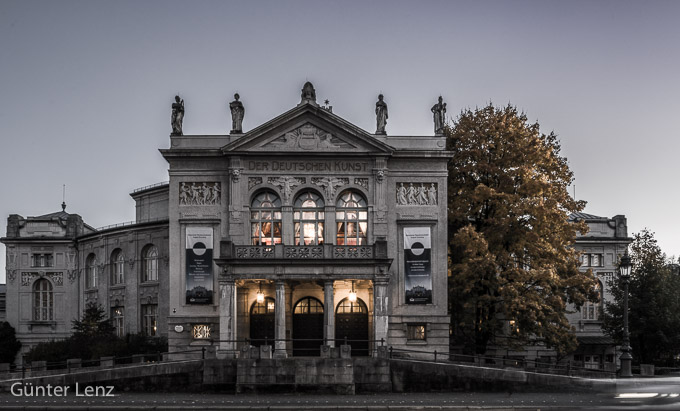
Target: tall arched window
{"type": "Point", "coordinates": [43, 301]}
{"type": "Point", "coordinates": [591, 310]}
{"type": "Point", "coordinates": [308, 217]}
{"type": "Point", "coordinates": [117, 267]}
{"type": "Point", "coordinates": [91, 275]}
{"type": "Point", "coordinates": [150, 263]}
{"type": "Point", "coordinates": [265, 219]}
{"type": "Point", "coordinates": [351, 216]}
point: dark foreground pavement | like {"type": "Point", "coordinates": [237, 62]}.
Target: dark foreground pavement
{"type": "Point", "coordinates": [290, 402]}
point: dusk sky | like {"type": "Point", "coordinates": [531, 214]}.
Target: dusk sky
{"type": "Point", "coordinates": [86, 87]}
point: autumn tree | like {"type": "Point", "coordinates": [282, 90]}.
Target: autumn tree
{"type": "Point", "coordinates": [654, 306]}
{"type": "Point", "coordinates": [513, 266]}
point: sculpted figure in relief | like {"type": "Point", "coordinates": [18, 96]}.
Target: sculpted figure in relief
{"type": "Point", "coordinates": [177, 116]}
{"type": "Point", "coordinates": [401, 194]}
{"type": "Point", "coordinates": [411, 195]}
{"type": "Point", "coordinates": [286, 184]}
{"type": "Point", "coordinates": [432, 195]}
{"type": "Point", "coordinates": [330, 184]}
{"type": "Point", "coordinates": [439, 112]}
{"type": "Point", "coordinates": [422, 195]}
{"type": "Point", "coordinates": [381, 115]}
{"type": "Point", "coordinates": [237, 114]}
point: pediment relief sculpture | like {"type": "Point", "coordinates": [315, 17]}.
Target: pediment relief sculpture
{"type": "Point", "coordinates": [307, 138]}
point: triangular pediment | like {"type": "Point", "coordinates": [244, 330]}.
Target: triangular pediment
{"type": "Point", "coordinates": [308, 128]}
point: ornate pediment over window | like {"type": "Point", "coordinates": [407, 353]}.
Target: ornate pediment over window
{"type": "Point", "coordinates": [308, 138]}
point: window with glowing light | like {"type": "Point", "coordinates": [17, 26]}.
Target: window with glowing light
{"type": "Point", "coordinates": [201, 331]}
{"type": "Point", "coordinates": [416, 332]}
{"type": "Point", "coordinates": [351, 216]}
{"type": "Point", "coordinates": [149, 319]}
{"type": "Point", "coordinates": [348, 307]}
{"type": "Point", "coordinates": [308, 305]}
{"type": "Point", "coordinates": [265, 219]}
{"type": "Point", "coordinates": [308, 216]}
{"type": "Point", "coordinates": [118, 320]}
{"type": "Point", "coordinates": [265, 307]}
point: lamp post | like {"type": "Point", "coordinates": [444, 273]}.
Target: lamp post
{"type": "Point", "coordinates": [626, 358]}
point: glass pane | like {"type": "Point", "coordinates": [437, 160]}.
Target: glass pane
{"type": "Point", "coordinates": [363, 215]}
{"type": "Point", "coordinates": [254, 215]}
{"type": "Point", "coordinates": [277, 229]}
{"type": "Point", "coordinates": [308, 215]}
{"type": "Point", "coordinates": [319, 232]}
{"type": "Point", "coordinates": [296, 215]}
{"type": "Point", "coordinates": [321, 215]}
{"type": "Point", "coordinates": [351, 229]}
{"type": "Point", "coordinates": [362, 229]}
{"type": "Point", "coordinates": [266, 215]}
{"type": "Point", "coordinates": [309, 233]}
{"type": "Point", "coordinates": [339, 215]}
{"type": "Point", "coordinates": [266, 229]}
{"type": "Point", "coordinates": [255, 230]}
{"type": "Point", "coordinates": [351, 215]}
{"type": "Point", "coordinates": [277, 215]}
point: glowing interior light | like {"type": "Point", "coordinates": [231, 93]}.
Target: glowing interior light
{"type": "Point", "coordinates": [260, 295]}
{"type": "Point", "coordinates": [353, 294]}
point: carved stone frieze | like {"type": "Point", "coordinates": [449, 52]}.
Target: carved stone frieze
{"type": "Point", "coordinates": [57, 278]}
{"type": "Point", "coordinates": [330, 184]}
{"type": "Point", "coordinates": [416, 193]}
{"type": "Point", "coordinates": [27, 278]}
{"type": "Point", "coordinates": [196, 193]}
{"type": "Point", "coordinates": [254, 182]}
{"type": "Point", "coordinates": [363, 182]}
{"type": "Point", "coordinates": [311, 252]}
{"type": "Point", "coordinates": [286, 184]}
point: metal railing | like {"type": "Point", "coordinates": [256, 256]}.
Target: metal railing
{"type": "Point", "coordinates": [129, 223]}
{"type": "Point", "coordinates": [162, 183]}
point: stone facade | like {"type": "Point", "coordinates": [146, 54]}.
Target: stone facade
{"type": "Point", "coordinates": [601, 248]}
{"type": "Point", "coordinates": [318, 234]}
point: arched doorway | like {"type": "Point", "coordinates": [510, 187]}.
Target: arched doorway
{"type": "Point", "coordinates": [307, 327]}
{"type": "Point", "coordinates": [351, 322]}
{"type": "Point", "coordinates": [262, 322]}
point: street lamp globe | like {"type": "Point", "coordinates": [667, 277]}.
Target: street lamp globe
{"type": "Point", "coordinates": [626, 356]}
{"type": "Point", "coordinates": [625, 266]}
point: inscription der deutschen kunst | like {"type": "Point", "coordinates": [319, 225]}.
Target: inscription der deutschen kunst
{"type": "Point", "coordinates": [313, 166]}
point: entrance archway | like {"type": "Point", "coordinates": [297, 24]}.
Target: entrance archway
{"type": "Point", "coordinates": [307, 327]}
{"type": "Point", "coordinates": [351, 322]}
{"type": "Point", "coordinates": [262, 322]}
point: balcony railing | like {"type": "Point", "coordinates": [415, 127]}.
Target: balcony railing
{"type": "Point", "coordinates": [305, 252]}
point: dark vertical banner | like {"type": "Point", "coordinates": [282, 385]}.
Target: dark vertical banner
{"type": "Point", "coordinates": [418, 265]}
{"type": "Point", "coordinates": [199, 265]}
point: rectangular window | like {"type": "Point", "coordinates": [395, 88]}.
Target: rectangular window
{"type": "Point", "coordinates": [416, 332]}
{"type": "Point", "coordinates": [42, 260]}
{"type": "Point", "coordinates": [118, 320]}
{"type": "Point", "coordinates": [596, 260]}
{"type": "Point", "coordinates": [585, 260]}
{"type": "Point", "coordinates": [149, 319]}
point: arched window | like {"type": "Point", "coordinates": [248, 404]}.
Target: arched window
{"type": "Point", "coordinates": [117, 267]}
{"type": "Point", "coordinates": [308, 217]}
{"type": "Point", "coordinates": [351, 216]}
{"type": "Point", "coordinates": [347, 307]}
{"type": "Point", "coordinates": [150, 263]}
{"type": "Point", "coordinates": [265, 219]}
{"type": "Point", "coordinates": [265, 307]}
{"type": "Point", "coordinates": [43, 301]}
{"type": "Point", "coordinates": [91, 275]}
{"type": "Point", "coordinates": [308, 305]}
{"type": "Point", "coordinates": [591, 310]}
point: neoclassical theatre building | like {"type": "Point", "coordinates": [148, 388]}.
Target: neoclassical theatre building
{"type": "Point", "coordinates": [302, 233]}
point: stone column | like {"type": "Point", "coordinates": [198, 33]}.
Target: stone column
{"type": "Point", "coordinates": [380, 312]}
{"type": "Point", "coordinates": [227, 318]}
{"type": "Point", "coordinates": [328, 313]}
{"type": "Point", "coordinates": [280, 318]}
{"type": "Point", "coordinates": [287, 223]}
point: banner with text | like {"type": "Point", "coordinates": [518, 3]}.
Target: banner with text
{"type": "Point", "coordinates": [199, 265]}
{"type": "Point", "coordinates": [417, 265]}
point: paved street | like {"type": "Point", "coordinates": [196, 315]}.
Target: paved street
{"type": "Point", "coordinates": [418, 401]}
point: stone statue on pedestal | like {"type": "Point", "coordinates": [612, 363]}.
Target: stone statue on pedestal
{"type": "Point", "coordinates": [381, 115]}
{"type": "Point", "coordinates": [177, 116]}
{"type": "Point", "coordinates": [237, 113]}
{"type": "Point", "coordinates": [308, 94]}
{"type": "Point", "coordinates": [439, 112]}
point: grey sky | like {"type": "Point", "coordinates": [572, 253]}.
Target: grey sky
{"type": "Point", "coordinates": [86, 87]}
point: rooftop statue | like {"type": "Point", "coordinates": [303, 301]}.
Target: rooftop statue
{"type": "Point", "coordinates": [381, 115]}
{"type": "Point", "coordinates": [237, 113]}
{"type": "Point", "coordinates": [177, 116]}
{"type": "Point", "coordinates": [308, 93]}
{"type": "Point", "coordinates": [439, 112]}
